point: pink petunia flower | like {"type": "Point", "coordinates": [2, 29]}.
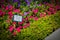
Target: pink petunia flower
{"type": "Point", "coordinates": [50, 5]}
{"type": "Point", "coordinates": [31, 17]}
{"type": "Point", "coordinates": [2, 13]}
{"type": "Point", "coordinates": [54, 12]}
{"type": "Point", "coordinates": [50, 9]}
{"type": "Point", "coordinates": [25, 26]}
{"type": "Point", "coordinates": [17, 10]}
{"type": "Point", "coordinates": [0, 10]}
{"type": "Point", "coordinates": [9, 7]}
{"type": "Point", "coordinates": [49, 13]}
{"type": "Point", "coordinates": [18, 29]}
{"type": "Point", "coordinates": [44, 14]}
{"type": "Point", "coordinates": [14, 33]}
{"type": "Point", "coordinates": [11, 28]}
{"type": "Point", "coordinates": [10, 14]}
{"type": "Point", "coordinates": [35, 11]}
{"type": "Point", "coordinates": [28, 24]}
{"type": "Point", "coordinates": [41, 15]}
{"type": "Point", "coordinates": [36, 18]}
{"type": "Point", "coordinates": [26, 18]}
{"type": "Point", "coordinates": [20, 22]}
{"type": "Point", "coordinates": [10, 17]}
{"type": "Point", "coordinates": [6, 8]}
{"type": "Point", "coordinates": [13, 22]}
{"type": "Point", "coordinates": [57, 7]}
{"type": "Point", "coordinates": [23, 20]}
{"type": "Point", "coordinates": [3, 6]}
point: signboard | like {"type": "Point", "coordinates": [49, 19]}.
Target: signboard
{"type": "Point", "coordinates": [17, 18]}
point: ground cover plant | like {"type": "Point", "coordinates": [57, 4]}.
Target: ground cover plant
{"type": "Point", "coordinates": [38, 19]}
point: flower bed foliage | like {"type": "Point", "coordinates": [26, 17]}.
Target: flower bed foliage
{"type": "Point", "coordinates": [37, 29]}
{"type": "Point", "coordinates": [39, 20]}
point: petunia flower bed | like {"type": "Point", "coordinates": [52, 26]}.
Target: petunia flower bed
{"type": "Point", "coordinates": [38, 21]}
